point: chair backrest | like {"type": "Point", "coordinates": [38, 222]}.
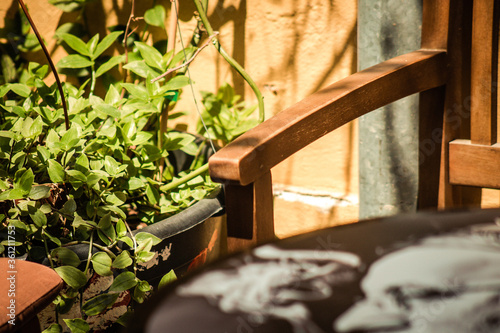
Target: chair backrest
{"type": "Point", "coordinates": [455, 72]}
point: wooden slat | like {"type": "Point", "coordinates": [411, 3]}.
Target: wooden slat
{"type": "Point", "coordinates": [431, 108]}
{"type": "Point", "coordinates": [456, 123]}
{"type": "Point", "coordinates": [484, 72]}
{"type": "Point", "coordinates": [435, 24]}
{"type": "Point", "coordinates": [249, 211]}
{"type": "Point", "coordinates": [474, 165]}
{"type": "Point", "coordinates": [261, 148]}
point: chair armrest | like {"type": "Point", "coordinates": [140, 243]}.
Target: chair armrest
{"type": "Point", "coordinates": [257, 151]}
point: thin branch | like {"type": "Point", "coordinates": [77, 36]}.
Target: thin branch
{"type": "Point", "coordinates": [187, 62]}
{"type": "Point", "coordinates": [230, 60]}
{"type": "Point", "coordinates": [125, 36]}
{"type": "Point", "coordinates": [51, 63]}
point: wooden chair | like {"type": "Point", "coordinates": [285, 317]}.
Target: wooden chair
{"type": "Point", "coordinates": [455, 72]}
{"type": "Point", "coordinates": [26, 288]}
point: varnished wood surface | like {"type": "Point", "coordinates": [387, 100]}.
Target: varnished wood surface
{"type": "Point", "coordinates": [456, 123]}
{"type": "Point", "coordinates": [249, 210]}
{"type": "Point", "coordinates": [484, 62]}
{"type": "Point", "coordinates": [435, 23]}
{"type": "Point", "coordinates": [258, 150]}
{"type": "Point", "coordinates": [474, 164]}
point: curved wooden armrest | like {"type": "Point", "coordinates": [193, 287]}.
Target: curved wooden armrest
{"type": "Point", "coordinates": [257, 151]}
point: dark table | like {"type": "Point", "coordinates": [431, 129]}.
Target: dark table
{"type": "Point", "coordinates": [426, 272]}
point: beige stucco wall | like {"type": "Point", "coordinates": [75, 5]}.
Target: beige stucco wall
{"type": "Point", "coordinates": [291, 49]}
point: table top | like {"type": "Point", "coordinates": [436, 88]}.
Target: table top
{"type": "Point", "coordinates": [425, 272]}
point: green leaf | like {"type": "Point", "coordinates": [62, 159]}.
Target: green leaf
{"type": "Point", "coordinates": [114, 61]}
{"type": "Point", "coordinates": [82, 163]}
{"type": "Point", "coordinates": [74, 61]}
{"type": "Point", "coordinates": [155, 16]}
{"type": "Point", "coordinates": [167, 279]}
{"type": "Point", "coordinates": [139, 295]}
{"type": "Point", "coordinates": [77, 325]}
{"type": "Point", "coordinates": [144, 236]}
{"type": "Point", "coordinates": [20, 89]}
{"type": "Point", "coordinates": [123, 260]}
{"type": "Point", "coordinates": [56, 172]}
{"type": "Point", "coordinates": [25, 182]}
{"type": "Point", "coordinates": [124, 281]}
{"type": "Point", "coordinates": [75, 43]}
{"type": "Point", "coordinates": [112, 96]}
{"type": "Point", "coordinates": [79, 221]}
{"type": "Point", "coordinates": [69, 207]}
{"type": "Point", "coordinates": [144, 244]}
{"type": "Point", "coordinates": [152, 194]}
{"type": "Point", "coordinates": [142, 69]}
{"type": "Point", "coordinates": [39, 192]}
{"type": "Point", "coordinates": [76, 178]}
{"type": "Point", "coordinates": [110, 165]}
{"type": "Point", "coordinates": [108, 110]}
{"type": "Point", "coordinates": [53, 239]}
{"type": "Point", "coordinates": [178, 82]}
{"type": "Point", "coordinates": [70, 138]}
{"type": "Point", "coordinates": [92, 44]}
{"type": "Point", "coordinates": [32, 128]}
{"type": "Point", "coordinates": [99, 303]}
{"type": "Point", "coordinates": [142, 137]}
{"type": "Point", "coordinates": [65, 256]}
{"type": "Point", "coordinates": [144, 256]}
{"type": "Point", "coordinates": [135, 183]}
{"type": "Point", "coordinates": [105, 229]}
{"type": "Point", "coordinates": [116, 199]}
{"type": "Point", "coordinates": [136, 91]}
{"type": "Point", "coordinates": [102, 263]}
{"type": "Point", "coordinates": [121, 229]}
{"type": "Point", "coordinates": [72, 276]}
{"type": "Point", "coordinates": [127, 240]}
{"type": "Point", "coordinates": [151, 55]}
{"type": "Point", "coordinates": [144, 286]}
{"type": "Point", "coordinates": [39, 218]}
{"type": "Point", "coordinates": [106, 43]}
{"type": "Point", "coordinates": [53, 328]}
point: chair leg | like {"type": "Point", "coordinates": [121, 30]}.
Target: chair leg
{"type": "Point", "coordinates": [249, 214]}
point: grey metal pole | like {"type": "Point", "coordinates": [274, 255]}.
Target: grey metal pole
{"type": "Point", "coordinates": [388, 137]}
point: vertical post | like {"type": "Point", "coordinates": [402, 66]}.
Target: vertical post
{"type": "Point", "coordinates": [249, 211]}
{"type": "Point", "coordinates": [484, 71]}
{"type": "Point", "coordinates": [456, 122]}
{"type": "Point", "coordinates": [431, 107]}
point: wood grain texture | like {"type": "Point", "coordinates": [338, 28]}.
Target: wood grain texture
{"type": "Point", "coordinates": [435, 22]}
{"type": "Point", "coordinates": [258, 150]}
{"type": "Point", "coordinates": [484, 63]}
{"type": "Point", "coordinates": [474, 164]}
{"type": "Point", "coordinates": [456, 122]}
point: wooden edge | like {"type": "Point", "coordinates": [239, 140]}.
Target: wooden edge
{"type": "Point", "coordinates": [474, 164]}
{"type": "Point", "coordinates": [250, 214]}
{"type": "Point", "coordinates": [484, 61]}
{"type": "Point", "coordinates": [260, 149]}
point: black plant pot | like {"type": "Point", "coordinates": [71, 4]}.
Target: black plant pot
{"type": "Point", "coordinates": [189, 239]}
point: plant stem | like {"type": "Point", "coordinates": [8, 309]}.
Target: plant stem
{"type": "Point", "coordinates": [230, 60]}
{"type": "Point", "coordinates": [92, 85]}
{"type": "Point", "coordinates": [186, 178]}
{"type": "Point", "coordinates": [90, 252]}
{"type": "Point", "coordinates": [51, 63]}
{"type": "Point", "coordinates": [100, 247]}
{"type": "Point", "coordinates": [47, 250]}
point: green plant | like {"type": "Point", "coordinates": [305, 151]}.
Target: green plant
{"type": "Point", "coordinates": [89, 170]}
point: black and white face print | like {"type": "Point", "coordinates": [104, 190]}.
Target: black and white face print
{"type": "Point", "coordinates": [446, 283]}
